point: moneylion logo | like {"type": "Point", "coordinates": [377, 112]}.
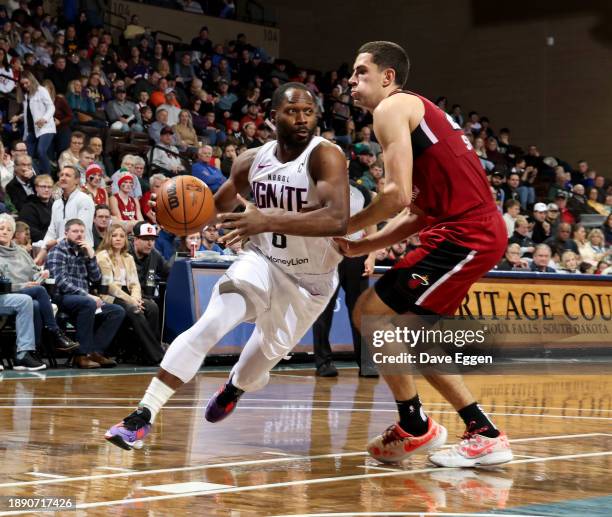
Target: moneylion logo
{"type": "Point", "coordinates": [418, 280]}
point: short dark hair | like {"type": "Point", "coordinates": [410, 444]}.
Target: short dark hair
{"type": "Point", "coordinates": [386, 54]}
{"type": "Point", "coordinates": [73, 222]}
{"type": "Point", "coordinates": [101, 206]}
{"type": "Point", "coordinates": [511, 203]}
{"type": "Point", "coordinates": [279, 94]}
{"type": "Point", "coordinates": [77, 172]}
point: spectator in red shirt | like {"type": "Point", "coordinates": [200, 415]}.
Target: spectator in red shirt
{"type": "Point", "coordinates": [155, 182]}
{"type": "Point", "coordinates": [565, 215]}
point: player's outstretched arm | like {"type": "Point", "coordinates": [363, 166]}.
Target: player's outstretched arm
{"type": "Point", "coordinates": [400, 227]}
{"type": "Point", "coordinates": [328, 169]}
{"type": "Point", "coordinates": [392, 128]}
{"type": "Point", "coordinates": [226, 198]}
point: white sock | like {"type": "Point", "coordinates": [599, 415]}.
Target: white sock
{"type": "Point", "coordinates": [156, 396]}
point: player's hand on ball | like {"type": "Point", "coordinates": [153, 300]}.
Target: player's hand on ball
{"type": "Point", "coordinates": [242, 225]}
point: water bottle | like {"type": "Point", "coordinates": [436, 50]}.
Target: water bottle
{"type": "Point", "coordinates": [149, 289]}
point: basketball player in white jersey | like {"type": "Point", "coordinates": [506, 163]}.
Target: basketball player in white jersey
{"type": "Point", "coordinates": [287, 273]}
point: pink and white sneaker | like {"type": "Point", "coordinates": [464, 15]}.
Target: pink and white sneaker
{"type": "Point", "coordinates": [474, 450]}
{"type": "Point", "coordinates": [395, 444]}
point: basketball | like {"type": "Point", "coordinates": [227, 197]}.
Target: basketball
{"type": "Point", "coordinates": [184, 205]}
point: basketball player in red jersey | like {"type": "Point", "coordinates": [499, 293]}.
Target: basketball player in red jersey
{"type": "Point", "coordinates": [434, 185]}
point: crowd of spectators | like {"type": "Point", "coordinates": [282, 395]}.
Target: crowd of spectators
{"type": "Point", "coordinates": [92, 126]}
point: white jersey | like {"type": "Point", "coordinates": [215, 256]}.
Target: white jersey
{"type": "Point", "coordinates": [290, 187]}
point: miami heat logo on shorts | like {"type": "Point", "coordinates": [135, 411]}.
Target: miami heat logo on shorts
{"type": "Point", "coordinates": [418, 280]}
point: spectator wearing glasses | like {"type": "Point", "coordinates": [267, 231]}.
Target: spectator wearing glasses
{"type": "Point", "coordinates": [512, 260]}
{"type": "Point", "coordinates": [22, 185]}
{"type": "Point", "coordinates": [101, 222]}
{"type": "Point", "coordinates": [71, 155]}
{"type": "Point", "coordinates": [36, 211]}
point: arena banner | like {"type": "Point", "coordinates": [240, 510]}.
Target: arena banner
{"type": "Point", "coordinates": [520, 310]}
{"type": "Point", "coordinates": [554, 311]}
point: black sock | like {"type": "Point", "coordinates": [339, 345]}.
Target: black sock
{"type": "Point", "coordinates": [475, 418]}
{"type": "Point", "coordinates": [229, 394]}
{"type": "Point", "coordinates": [413, 419]}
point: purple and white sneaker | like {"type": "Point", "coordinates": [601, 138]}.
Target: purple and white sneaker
{"type": "Point", "coordinates": [222, 404]}
{"type": "Point", "coordinates": [131, 431]}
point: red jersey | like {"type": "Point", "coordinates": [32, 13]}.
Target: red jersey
{"type": "Point", "coordinates": [127, 210]}
{"type": "Point", "coordinates": [145, 208]}
{"type": "Point", "coordinates": [101, 197]}
{"type": "Point", "coordinates": [448, 181]}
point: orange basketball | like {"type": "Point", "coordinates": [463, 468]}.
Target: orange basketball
{"type": "Point", "coordinates": [184, 205]}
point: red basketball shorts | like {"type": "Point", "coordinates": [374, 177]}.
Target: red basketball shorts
{"type": "Point", "coordinates": [434, 278]}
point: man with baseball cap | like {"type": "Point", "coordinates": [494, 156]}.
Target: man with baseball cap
{"type": "Point", "coordinates": [166, 155]}
{"type": "Point", "coordinates": [497, 182]}
{"type": "Point", "coordinates": [123, 114]}
{"type": "Point", "coordinates": [145, 255]}
{"type": "Point", "coordinates": [564, 214]}
{"type": "Point", "coordinates": [541, 227]}
{"type": "Point", "coordinates": [552, 217]}
{"type": "Point", "coordinates": [361, 163]}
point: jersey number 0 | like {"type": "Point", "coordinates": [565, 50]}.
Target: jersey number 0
{"type": "Point", "coordinates": [279, 240]}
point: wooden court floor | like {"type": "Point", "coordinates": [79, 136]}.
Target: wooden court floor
{"type": "Point", "coordinates": [297, 448]}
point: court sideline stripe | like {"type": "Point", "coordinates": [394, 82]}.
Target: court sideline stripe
{"type": "Point", "coordinates": [315, 481]}
{"type": "Point", "coordinates": [253, 462]}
